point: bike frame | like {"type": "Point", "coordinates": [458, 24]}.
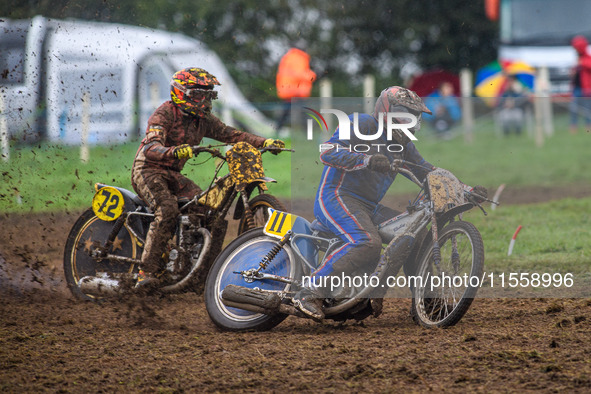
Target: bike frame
{"type": "Point", "coordinates": [220, 213]}
{"type": "Point", "coordinates": [418, 229]}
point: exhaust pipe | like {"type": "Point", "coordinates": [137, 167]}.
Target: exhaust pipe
{"type": "Point", "coordinates": [99, 286]}
{"type": "Point", "coordinates": [102, 286]}
{"type": "Point", "coordinates": [258, 301]}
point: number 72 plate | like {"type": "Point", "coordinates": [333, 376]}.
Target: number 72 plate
{"type": "Point", "coordinates": [108, 203]}
{"type": "Point", "coordinates": [278, 224]}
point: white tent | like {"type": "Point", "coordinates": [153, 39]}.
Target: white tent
{"type": "Point", "coordinates": [121, 72]}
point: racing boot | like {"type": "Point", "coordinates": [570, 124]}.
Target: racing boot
{"type": "Point", "coordinates": [146, 280]}
{"type": "Point", "coordinates": [309, 303]}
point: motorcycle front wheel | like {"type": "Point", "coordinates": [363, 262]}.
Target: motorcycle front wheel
{"type": "Point", "coordinates": [259, 206]}
{"type": "Point", "coordinates": [87, 233]}
{"type": "Point", "coordinates": [242, 254]}
{"type": "Point", "coordinates": [443, 292]}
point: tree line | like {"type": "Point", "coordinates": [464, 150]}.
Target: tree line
{"type": "Point", "coordinates": [346, 39]}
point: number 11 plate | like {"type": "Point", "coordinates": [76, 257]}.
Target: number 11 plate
{"type": "Point", "coordinates": [278, 224]}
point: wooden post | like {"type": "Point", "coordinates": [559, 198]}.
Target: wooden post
{"type": "Point", "coordinates": [84, 152]}
{"type": "Point", "coordinates": [226, 110]}
{"type": "Point", "coordinates": [154, 95]}
{"type": "Point", "coordinates": [467, 105]}
{"type": "Point", "coordinates": [4, 131]}
{"type": "Point", "coordinates": [326, 100]}
{"type": "Point", "coordinates": [369, 92]}
{"type": "Point", "coordinates": [547, 115]}
{"type": "Point", "coordinates": [539, 108]}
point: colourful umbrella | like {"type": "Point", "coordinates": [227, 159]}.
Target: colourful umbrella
{"type": "Point", "coordinates": [492, 79]}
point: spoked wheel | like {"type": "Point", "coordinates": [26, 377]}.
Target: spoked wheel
{"type": "Point", "coordinates": [445, 291]}
{"type": "Point", "coordinates": [259, 207]}
{"type": "Point", "coordinates": [242, 254]}
{"type": "Point", "coordinates": [87, 233]}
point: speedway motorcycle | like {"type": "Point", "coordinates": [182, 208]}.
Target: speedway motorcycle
{"type": "Point", "coordinates": [104, 247]}
{"type": "Point", "coordinates": [252, 284]}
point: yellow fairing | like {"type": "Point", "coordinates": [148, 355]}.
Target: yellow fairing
{"type": "Point", "coordinates": [245, 163]}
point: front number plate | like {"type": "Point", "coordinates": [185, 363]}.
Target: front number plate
{"type": "Point", "coordinates": [108, 203]}
{"type": "Point", "coordinates": [278, 224]}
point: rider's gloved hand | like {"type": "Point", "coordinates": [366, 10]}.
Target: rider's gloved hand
{"type": "Point", "coordinates": [479, 191]}
{"type": "Point", "coordinates": [183, 152]}
{"type": "Point", "coordinates": [273, 145]}
{"type": "Point", "coordinates": [379, 163]}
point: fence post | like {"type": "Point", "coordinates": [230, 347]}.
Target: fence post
{"type": "Point", "coordinates": [84, 152]}
{"type": "Point", "coordinates": [4, 131]}
{"type": "Point", "coordinates": [226, 110]}
{"type": "Point", "coordinates": [369, 92]}
{"type": "Point", "coordinates": [539, 108]}
{"type": "Point", "coordinates": [547, 115]}
{"type": "Point", "coordinates": [467, 104]}
{"type": "Point", "coordinates": [154, 96]}
{"type": "Point", "coordinates": [326, 100]}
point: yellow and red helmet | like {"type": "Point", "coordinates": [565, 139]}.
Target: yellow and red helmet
{"type": "Point", "coordinates": [191, 89]}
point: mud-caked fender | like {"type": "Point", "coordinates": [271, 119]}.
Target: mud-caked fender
{"type": "Point", "coordinates": [239, 210]}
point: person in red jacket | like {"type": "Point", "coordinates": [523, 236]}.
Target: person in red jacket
{"type": "Point", "coordinates": [172, 130]}
{"type": "Point", "coordinates": [581, 84]}
{"type": "Point", "coordinates": [294, 79]}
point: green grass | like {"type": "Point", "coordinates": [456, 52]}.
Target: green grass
{"type": "Point", "coordinates": [47, 178]}
{"type": "Point", "coordinates": [52, 178]}
{"type": "Point", "coordinates": [490, 160]}
{"type": "Point", "coordinates": [556, 236]}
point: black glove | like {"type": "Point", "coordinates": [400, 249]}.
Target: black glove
{"type": "Point", "coordinates": [379, 163]}
{"type": "Point", "coordinates": [479, 191]}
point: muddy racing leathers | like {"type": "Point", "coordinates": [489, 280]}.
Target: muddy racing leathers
{"type": "Point", "coordinates": [347, 201]}
{"type": "Point", "coordinates": [156, 172]}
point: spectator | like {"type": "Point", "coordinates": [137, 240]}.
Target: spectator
{"type": "Point", "coordinates": [294, 79]}
{"type": "Point", "coordinates": [445, 107]}
{"type": "Point", "coordinates": [511, 106]}
{"type": "Point", "coordinates": [581, 84]}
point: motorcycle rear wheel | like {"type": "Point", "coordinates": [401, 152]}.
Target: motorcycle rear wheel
{"type": "Point", "coordinates": [87, 232]}
{"type": "Point", "coordinates": [438, 302]}
{"type": "Point", "coordinates": [242, 254]}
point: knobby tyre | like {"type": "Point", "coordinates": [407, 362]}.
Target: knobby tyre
{"type": "Point", "coordinates": [437, 301]}
{"type": "Point", "coordinates": [242, 254]}
{"type": "Point", "coordinates": [87, 232]}
{"type": "Point", "coordinates": [259, 206]}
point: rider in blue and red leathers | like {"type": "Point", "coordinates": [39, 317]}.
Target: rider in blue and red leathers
{"type": "Point", "coordinates": [353, 184]}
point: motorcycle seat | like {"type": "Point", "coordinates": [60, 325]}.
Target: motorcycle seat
{"type": "Point", "coordinates": [322, 230]}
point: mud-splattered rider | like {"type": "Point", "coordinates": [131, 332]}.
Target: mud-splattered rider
{"type": "Point", "coordinates": [353, 184]}
{"type": "Point", "coordinates": [176, 126]}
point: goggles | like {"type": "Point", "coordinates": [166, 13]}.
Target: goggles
{"type": "Point", "coordinates": [200, 94]}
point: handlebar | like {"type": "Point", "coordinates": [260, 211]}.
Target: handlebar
{"type": "Point", "coordinates": [396, 166]}
{"type": "Point", "coordinates": [216, 153]}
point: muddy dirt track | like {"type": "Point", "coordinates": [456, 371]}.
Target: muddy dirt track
{"type": "Point", "coordinates": [48, 341]}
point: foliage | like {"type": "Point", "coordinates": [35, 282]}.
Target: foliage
{"type": "Point", "coordinates": [346, 39]}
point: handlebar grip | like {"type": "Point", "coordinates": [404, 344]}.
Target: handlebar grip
{"type": "Point", "coordinates": [214, 152]}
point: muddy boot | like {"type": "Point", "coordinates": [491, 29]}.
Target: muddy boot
{"type": "Point", "coordinates": [377, 306]}
{"type": "Point", "coordinates": [309, 303]}
{"type": "Point", "coordinates": [146, 281]}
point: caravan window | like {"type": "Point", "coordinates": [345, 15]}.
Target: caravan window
{"type": "Point", "coordinates": [13, 38]}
